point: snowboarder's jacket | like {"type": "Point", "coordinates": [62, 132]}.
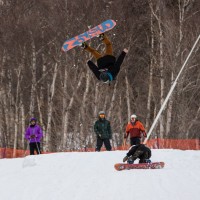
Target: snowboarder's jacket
{"type": "Point", "coordinates": [33, 133]}
{"type": "Point", "coordinates": [102, 129]}
{"type": "Point", "coordinates": [109, 63]}
{"type": "Point", "coordinates": [139, 151]}
{"type": "Point", "coordinates": [135, 130]}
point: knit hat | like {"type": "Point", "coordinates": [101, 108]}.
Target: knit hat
{"type": "Point", "coordinates": [33, 119]}
{"type": "Point", "coordinates": [101, 113]}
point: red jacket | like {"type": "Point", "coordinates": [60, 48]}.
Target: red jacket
{"type": "Point", "coordinates": [136, 130]}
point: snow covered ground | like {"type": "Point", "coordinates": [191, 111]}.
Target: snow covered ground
{"type": "Point", "coordinates": [91, 176]}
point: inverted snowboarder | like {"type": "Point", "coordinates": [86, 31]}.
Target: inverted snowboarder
{"type": "Point", "coordinates": [108, 66]}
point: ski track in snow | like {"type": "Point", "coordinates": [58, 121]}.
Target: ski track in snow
{"type": "Point", "coordinates": [91, 176]}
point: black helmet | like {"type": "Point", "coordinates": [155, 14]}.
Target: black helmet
{"type": "Point", "coordinates": [104, 77]}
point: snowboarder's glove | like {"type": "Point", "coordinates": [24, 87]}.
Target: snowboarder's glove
{"type": "Point", "coordinates": [125, 50]}
{"type": "Point", "coordinates": [143, 133]}
{"type": "Point", "coordinates": [125, 158]}
{"type": "Point", "coordinates": [32, 136]}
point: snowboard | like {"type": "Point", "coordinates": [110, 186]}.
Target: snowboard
{"type": "Point", "coordinates": [94, 32]}
{"type": "Point", "coordinates": [126, 166]}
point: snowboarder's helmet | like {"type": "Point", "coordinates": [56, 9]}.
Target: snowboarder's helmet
{"type": "Point", "coordinates": [104, 77]}
{"type": "Point", "coordinates": [33, 119]}
{"type": "Point", "coordinates": [133, 116]}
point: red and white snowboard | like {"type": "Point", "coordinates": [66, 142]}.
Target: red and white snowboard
{"type": "Point", "coordinates": [126, 166]}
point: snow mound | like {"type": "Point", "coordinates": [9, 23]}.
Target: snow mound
{"type": "Point", "coordinates": [91, 176]}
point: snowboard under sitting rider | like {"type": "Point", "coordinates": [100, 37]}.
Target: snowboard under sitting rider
{"type": "Point", "coordinates": [138, 151]}
{"type": "Point", "coordinates": [108, 66]}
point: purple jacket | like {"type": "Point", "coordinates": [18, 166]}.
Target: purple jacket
{"type": "Point", "coordinates": [34, 131]}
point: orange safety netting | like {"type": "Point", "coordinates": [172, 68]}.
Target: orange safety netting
{"type": "Point", "coordinates": [187, 144]}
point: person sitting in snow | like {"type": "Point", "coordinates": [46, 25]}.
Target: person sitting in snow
{"type": "Point", "coordinates": [34, 134]}
{"type": "Point", "coordinates": [108, 67]}
{"type": "Point", "coordinates": [138, 151]}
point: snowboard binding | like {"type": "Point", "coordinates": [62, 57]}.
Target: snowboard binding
{"type": "Point", "coordinates": [84, 45]}
{"type": "Point", "coordinates": [101, 36]}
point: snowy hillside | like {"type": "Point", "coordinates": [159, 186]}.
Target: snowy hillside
{"type": "Point", "coordinates": [91, 176]}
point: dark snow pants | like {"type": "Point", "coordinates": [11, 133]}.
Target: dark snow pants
{"type": "Point", "coordinates": [100, 143]}
{"type": "Point", "coordinates": [135, 141]}
{"type": "Point", "coordinates": [34, 146]}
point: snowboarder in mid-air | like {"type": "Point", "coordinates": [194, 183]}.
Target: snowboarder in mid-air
{"type": "Point", "coordinates": [138, 151]}
{"type": "Point", "coordinates": [108, 66]}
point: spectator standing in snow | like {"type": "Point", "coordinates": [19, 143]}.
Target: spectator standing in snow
{"type": "Point", "coordinates": [138, 151]}
{"type": "Point", "coordinates": [136, 130]}
{"type": "Point", "coordinates": [103, 132]}
{"type": "Point", "coordinates": [34, 134]}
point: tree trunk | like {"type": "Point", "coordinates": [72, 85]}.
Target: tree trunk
{"type": "Point", "coordinates": [50, 107]}
{"type": "Point", "coordinates": [112, 100]}
{"type": "Point", "coordinates": [22, 120]}
{"type": "Point", "coordinates": [150, 77]}
{"type": "Point", "coordinates": [67, 112]}
{"type": "Point", "coordinates": [127, 97]}
{"type": "Point", "coordinates": [33, 86]}
{"type": "Point", "coordinates": [96, 97]}
{"type": "Point", "coordinates": [83, 123]}
{"type": "Point", "coordinates": [169, 111]}
{"type": "Point", "coordinates": [17, 109]}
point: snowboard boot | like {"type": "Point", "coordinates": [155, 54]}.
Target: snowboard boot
{"type": "Point", "coordinates": [144, 161]}
{"type": "Point", "coordinates": [130, 160]}
{"type": "Point", "coordinates": [147, 161]}
{"type": "Point", "coordinates": [101, 36]}
{"type": "Point", "coordinates": [84, 45]}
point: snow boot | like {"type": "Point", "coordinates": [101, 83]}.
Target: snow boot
{"type": "Point", "coordinates": [147, 161]}
{"type": "Point", "coordinates": [84, 45]}
{"type": "Point", "coordinates": [101, 36]}
{"type": "Point", "coordinates": [130, 160]}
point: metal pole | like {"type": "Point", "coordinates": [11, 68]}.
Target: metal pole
{"type": "Point", "coordinates": [37, 146]}
{"type": "Point", "coordinates": [170, 92]}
